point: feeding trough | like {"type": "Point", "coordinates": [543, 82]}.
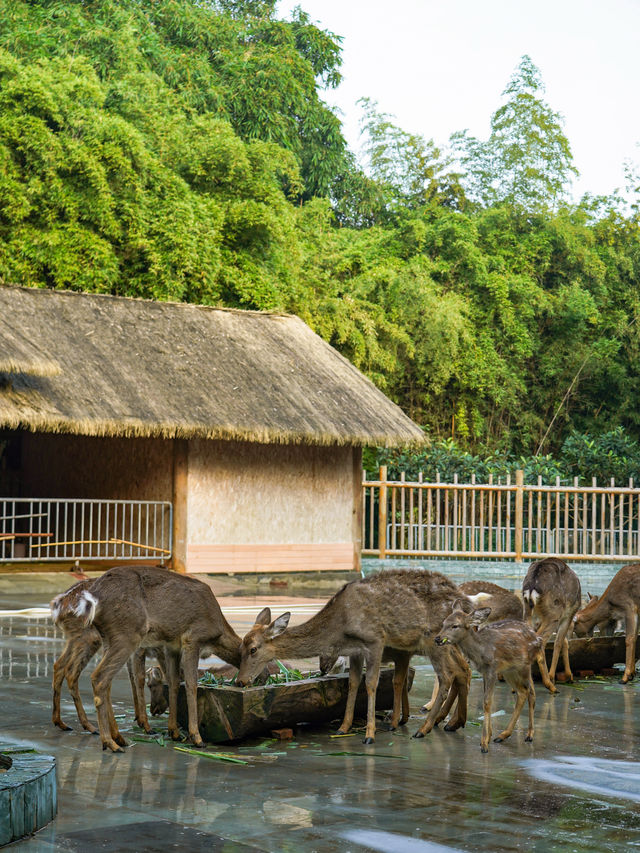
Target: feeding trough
{"type": "Point", "coordinates": [591, 653]}
{"type": "Point", "coordinates": [228, 713]}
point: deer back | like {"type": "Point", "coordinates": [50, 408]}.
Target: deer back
{"type": "Point", "coordinates": [551, 581]}
{"type": "Point", "coordinates": [622, 593]}
{"type": "Point", "coordinates": [504, 604]}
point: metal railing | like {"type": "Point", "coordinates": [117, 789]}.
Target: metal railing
{"type": "Point", "coordinates": [49, 530]}
{"type": "Point", "coordinates": [500, 520]}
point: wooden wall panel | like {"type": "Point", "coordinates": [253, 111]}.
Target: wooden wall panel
{"type": "Point", "coordinates": [268, 559]}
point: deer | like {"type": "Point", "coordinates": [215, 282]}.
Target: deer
{"type": "Point", "coordinates": [551, 594]}
{"type": "Point", "coordinates": [396, 613]}
{"type": "Point", "coordinates": [506, 648]}
{"type": "Point", "coordinates": [82, 643]}
{"type": "Point", "coordinates": [503, 604]}
{"type": "Point", "coordinates": [620, 600]}
{"type": "Point", "coordinates": [140, 607]}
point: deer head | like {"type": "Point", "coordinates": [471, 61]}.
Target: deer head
{"type": "Point", "coordinates": [258, 647]}
{"type": "Point", "coordinates": [586, 619]}
{"type": "Point", "coordinates": [459, 621]}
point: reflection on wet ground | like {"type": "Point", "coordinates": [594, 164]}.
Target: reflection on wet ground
{"type": "Point", "coordinates": [575, 788]}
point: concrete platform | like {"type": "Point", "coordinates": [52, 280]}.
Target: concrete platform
{"type": "Point", "coordinates": [575, 788]}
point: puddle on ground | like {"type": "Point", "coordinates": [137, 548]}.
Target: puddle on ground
{"type": "Point", "coordinates": [601, 776]}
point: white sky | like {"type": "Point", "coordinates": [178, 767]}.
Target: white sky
{"type": "Point", "coordinates": [441, 65]}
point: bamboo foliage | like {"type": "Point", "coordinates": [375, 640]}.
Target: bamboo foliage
{"type": "Point", "coordinates": [501, 520]}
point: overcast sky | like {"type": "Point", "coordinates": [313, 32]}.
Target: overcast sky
{"type": "Point", "coordinates": [441, 65]}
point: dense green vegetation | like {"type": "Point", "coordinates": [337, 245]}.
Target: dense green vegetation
{"type": "Point", "coordinates": [182, 150]}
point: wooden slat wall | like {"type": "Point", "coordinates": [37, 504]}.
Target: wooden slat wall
{"type": "Point", "coordinates": [220, 559]}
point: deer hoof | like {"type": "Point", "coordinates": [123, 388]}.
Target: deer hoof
{"type": "Point", "coordinates": [63, 727]}
{"type": "Point", "coordinates": [368, 740]}
{"type": "Point", "coordinates": [528, 739]}
{"type": "Point", "coordinates": [452, 727]}
{"type": "Point", "coordinates": [120, 741]}
{"type": "Point", "coordinates": [498, 739]}
{"type": "Point", "coordinates": [484, 749]}
{"type": "Point", "coordinates": [341, 732]}
{"type": "Point", "coordinates": [419, 734]}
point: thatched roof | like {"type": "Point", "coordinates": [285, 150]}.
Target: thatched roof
{"type": "Point", "coordinates": [18, 355]}
{"type": "Point", "coordinates": [138, 368]}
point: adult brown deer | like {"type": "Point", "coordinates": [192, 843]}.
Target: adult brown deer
{"type": "Point", "coordinates": [397, 612]}
{"type": "Point", "coordinates": [82, 643]}
{"type": "Point", "coordinates": [505, 648]}
{"type": "Point", "coordinates": [551, 594]}
{"type": "Point", "coordinates": [141, 607]}
{"type": "Point", "coordinates": [502, 603]}
{"type": "Point", "coordinates": [620, 600]}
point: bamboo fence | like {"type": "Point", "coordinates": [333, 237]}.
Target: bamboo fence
{"type": "Point", "coordinates": [500, 520]}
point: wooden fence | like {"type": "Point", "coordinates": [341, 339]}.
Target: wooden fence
{"type": "Point", "coordinates": [500, 520]}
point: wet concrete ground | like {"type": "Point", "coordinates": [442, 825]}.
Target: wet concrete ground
{"type": "Point", "coordinates": [576, 788]}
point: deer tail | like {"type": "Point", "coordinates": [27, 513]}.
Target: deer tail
{"type": "Point", "coordinates": [80, 604]}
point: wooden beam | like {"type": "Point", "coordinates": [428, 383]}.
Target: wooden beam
{"type": "Point", "coordinates": [356, 525]}
{"type": "Point", "coordinates": [180, 484]}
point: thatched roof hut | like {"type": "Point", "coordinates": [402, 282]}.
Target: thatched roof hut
{"type": "Point", "coordinates": [131, 367]}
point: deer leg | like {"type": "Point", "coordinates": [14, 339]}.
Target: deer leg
{"type": "Point", "coordinates": [190, 657]}
{"type": "Point", "coordinates": [373, 658]}
{"type": "Point", "coordinates": [561, 638]}
{"type": "Point", "coordinates": [74, 670]}
{"type": "Point", "coordinates": [135, 668]}
{"type": "Point", "coordinates": [631, 630]}
{"type": "Point", "coordinates": [442, 664]}
{"type": "Point", "coordinates": [356, 663]}
{"type": "Point", "coordinates": [59, 670]}
{"type": "Point", "coordinates": [532, 705]}
{"type": "Point", "coordinates": [429, 705]}
{"type": "Point", "coordinates": [460, 689]}
{"type": "Point", "coordinates": [113, 725]}
{"type": "Point", "coordinates": [521, 686]}
{"type": "Point", "coordinates": [172, 672]}
{"type": "Point", "coordinates": [489, 680]}
{"type": "Point", "coordinates": [113, 659]}
{"type": "Point", "coordinates": [400, 713]}
{"type": "Point", "coordinates": [544, 632]}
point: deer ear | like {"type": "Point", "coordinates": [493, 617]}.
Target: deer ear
{"type": "Point", "coordinates": [480, 615]}
{"type": "Point", "coordinates": [461, 605]}
{"type": "Point", "coordinates": [264, 617]}
{"type": "Point", "coordinates": [277, 626]}
{"type": "Point", "coordinates": [589, 596]}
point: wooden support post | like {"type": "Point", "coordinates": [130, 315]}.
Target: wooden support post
{"type": "Point", "coordinates": [356, 521]}
{"type": "Point", "coordinates": [180, 479]}
{"type": "Point", "coordinates": [382, 513]}
{"type": "Point", "coordinates": [519, 513]}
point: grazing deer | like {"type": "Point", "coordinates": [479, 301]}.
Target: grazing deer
{"type": "Point", "coordinates": [394, 611]}
{"type": "Point", "coordinates": [503, 604]}
{"type": "Point", "coordinates": [620, 600]}
{"type": "Point", "coordinates": [505, 648]}
{"type": "Point", "coordinates": [135, 607]}
{"type": "Point", "coordinates": [551, 594]}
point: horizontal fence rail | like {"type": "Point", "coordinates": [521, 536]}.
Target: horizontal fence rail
{"type": "Point", "coordinates": [499, 520]}
{"type": "Point", "coordinates": [58, 530]}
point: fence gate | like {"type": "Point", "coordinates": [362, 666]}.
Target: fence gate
{"type": "Point", "coordinates": [508, 520]}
